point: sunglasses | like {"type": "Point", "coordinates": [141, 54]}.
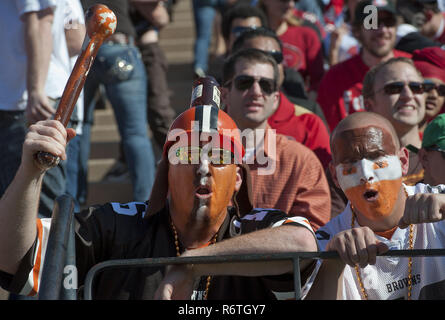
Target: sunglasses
{"type": "Point", "coordinates": [429, 85]}
{"type": "Point", "coordinates": [276, 55]}
{"type": "Point", "coordinates": [387, 22]}
{"type": "Point", "coordinates": [244, 82]}
{"type": "Point", "coordinates": [194, 155]}
{"type": "Point", "coordinates": [237, 31]}
{"type": "Point", "coordinates": [398, 86]}
{"type": "Point", "coordinates": [436, 148]}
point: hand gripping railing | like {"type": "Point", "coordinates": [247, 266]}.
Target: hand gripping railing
{"type": "Point", "coordinates": [295, 257]}
{"type": "Point", "coordinates": [60, 252]}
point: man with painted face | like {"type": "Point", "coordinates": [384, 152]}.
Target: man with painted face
{"type": "Point", "coordinates": [199, 206]}
{"type": "Point", "coordinates": [382, 212]}
{"type": "Point", "coordinates": [394, 89]}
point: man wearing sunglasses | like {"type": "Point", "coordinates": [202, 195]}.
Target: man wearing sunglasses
{"type": "Point", "coordinates": [340, 91]}
{"type": "Point", "coordinates": [431, 63]}
{"type": "Point", "coordinates": [293, 117]}
{"type": "Point", "coordinates": [285, 174]}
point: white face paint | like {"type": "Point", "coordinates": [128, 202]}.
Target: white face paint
{"type": "Point", "coordinates": [203, 170]}
{"type": "Point", "coordinates": [368, 171]}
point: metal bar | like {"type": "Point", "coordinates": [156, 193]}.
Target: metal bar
{"type": "Point", "coordinates": [297, 278]}
{"type": "Point", "coordinates": [69, 290]}
{"type": "Point", "coordinates": [156, 262]}
{"type": "Point", "coordinates": [52, 273]}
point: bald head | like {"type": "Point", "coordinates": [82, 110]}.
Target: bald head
{"type": "Point", "coordinates": [363, 134]}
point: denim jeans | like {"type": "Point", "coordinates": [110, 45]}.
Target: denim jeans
{"type": "Point", "coordinates": [204, 13]}
{"type": "Point", "coordinates": [13, 130]}
{"type": "Point", "coordinates": [120, 70]}
{"type": "Point", "coordinates": [74, 172]}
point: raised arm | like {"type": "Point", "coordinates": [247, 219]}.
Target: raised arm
{"type": "Point", "coordinates": [179, 279]}
{"type": "Point", "coordinates": [19, 204]}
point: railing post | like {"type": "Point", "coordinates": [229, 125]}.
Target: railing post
{"type": "Point", "coordinates": [55, 257]}
{"type": "Point", "coordinates": [297, 278]}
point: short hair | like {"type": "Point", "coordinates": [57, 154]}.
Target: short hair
{"type": "Point", "coordinates": [254, 33]}
{"type": "Point", "coordinates": [242, 11]}
{"type": "Point", "coordinates": [251, 55]}
{"type": "Point", "coordinates": [371, 75]}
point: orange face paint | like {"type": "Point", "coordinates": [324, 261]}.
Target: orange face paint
{"type": "Point", "coordinates": [370, 173]}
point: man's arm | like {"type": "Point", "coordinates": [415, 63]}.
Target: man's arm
{"type": "Point", "coordinates": [19, 204]}
{"type": "Point", "coordinates": [179, 279]}
{"type": "Point", "coordinates": [39, 45]}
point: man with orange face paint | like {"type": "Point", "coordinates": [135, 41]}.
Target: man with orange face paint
{"type": "Point", "coordinates": [382, 212]}
{"type": "Point", "coordinates": [199, 206]}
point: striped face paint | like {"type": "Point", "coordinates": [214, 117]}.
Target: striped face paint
{"type": "Point", "coordinates": [370, 174]}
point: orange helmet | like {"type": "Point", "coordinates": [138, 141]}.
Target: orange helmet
{"type": "Point", "coordinates": [206, 120]}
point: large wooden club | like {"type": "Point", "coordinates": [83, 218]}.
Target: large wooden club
{"type": "Point", "coordinates": [100, 24]}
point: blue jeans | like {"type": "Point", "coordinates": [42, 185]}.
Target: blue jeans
{"type": "Point", "coordinates": [120, 70]}
{"type": "Point", "coordinates": [74, 172]}
{"type": "Point", "coordinates": [12, 135]}
{"type": "Point", "coordinates": [204, 13]}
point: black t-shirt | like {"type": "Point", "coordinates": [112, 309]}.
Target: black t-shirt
{"type": "Point", "coordinates": [120, 9]}
{"type": "Point", "coordinates": [120, 231]}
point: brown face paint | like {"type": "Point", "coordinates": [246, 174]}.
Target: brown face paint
{"type": "Point", "coordinates": [200, 193]}
{"type": "Point", "coordinates": [367, 142]}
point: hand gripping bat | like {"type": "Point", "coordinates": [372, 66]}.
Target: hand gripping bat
{"type": "Point", "coordinates": [100, 24]}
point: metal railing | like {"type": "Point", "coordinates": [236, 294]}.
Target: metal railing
{"type": "Point", "coordinates": [295, 257]}
{"type": "Point", "coordinates": [60, 252]}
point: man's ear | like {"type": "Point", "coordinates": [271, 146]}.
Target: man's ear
{"type": "Point", "coordinates": [334, 174]}
{"type": "Point", "coordinates": [403, 155]}
{"type": "Point", "coordinates": [368, 104]}
{"type": "Point", "coordinates": [239, 178]}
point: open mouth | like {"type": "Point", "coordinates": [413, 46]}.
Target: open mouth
{"type": "Point", "coordinates": [371, 195]}
{"type": "Point", "coordinates": [203, 192]}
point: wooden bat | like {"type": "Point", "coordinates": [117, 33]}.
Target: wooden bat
{"type": "Point", "coordinates": [100, 24]}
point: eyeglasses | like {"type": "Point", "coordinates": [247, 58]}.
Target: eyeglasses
{"type": "Point", "coordinates": [276, 55]}
{"type": "Point", "coordinates": [436, 148]}
{"type": "Point", "coordinates": [429, 85]}
{"type": "Point", "coordinates": [237, 31]}
{"type": "Point", "coordinates": [194, 155]}
{"type": "Point", "coordinates": [397, 87]}
{"type": "Point", "coordinates": [245, 82]}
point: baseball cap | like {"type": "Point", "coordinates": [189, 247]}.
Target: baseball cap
{"type": "Point", "coordinates": [381, 5]}
{"type": "Point", "coordinates": [434, 134]}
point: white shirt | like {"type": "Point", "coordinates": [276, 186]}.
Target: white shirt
{"type": "Point", "coordinates": [61, 64]}
{"type": "Point", "coordinates": [388, 278]}
{"type": "Point", "coordinates": [12, 52]}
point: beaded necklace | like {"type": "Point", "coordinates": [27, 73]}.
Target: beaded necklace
{"type": "Point", "coordinates": [178, 253]}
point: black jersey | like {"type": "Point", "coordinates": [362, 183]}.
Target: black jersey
{"type": "Point", "coordinates": [121, 231]}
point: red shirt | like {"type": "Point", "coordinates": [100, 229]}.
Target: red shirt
{"type": "Point", "coordinates": [302, 51]}
{"type": "Point", "coordinates": [304, 126]}
{"type": "Point", "coordinates": [340, 90]}
{"type": "Point", "coordinates": [312, 18]}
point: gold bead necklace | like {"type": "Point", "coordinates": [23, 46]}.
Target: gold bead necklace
{"type": "Point", "coordinates": [410, 259]}
{"type": "Point", "coordinates": [178, 253]}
